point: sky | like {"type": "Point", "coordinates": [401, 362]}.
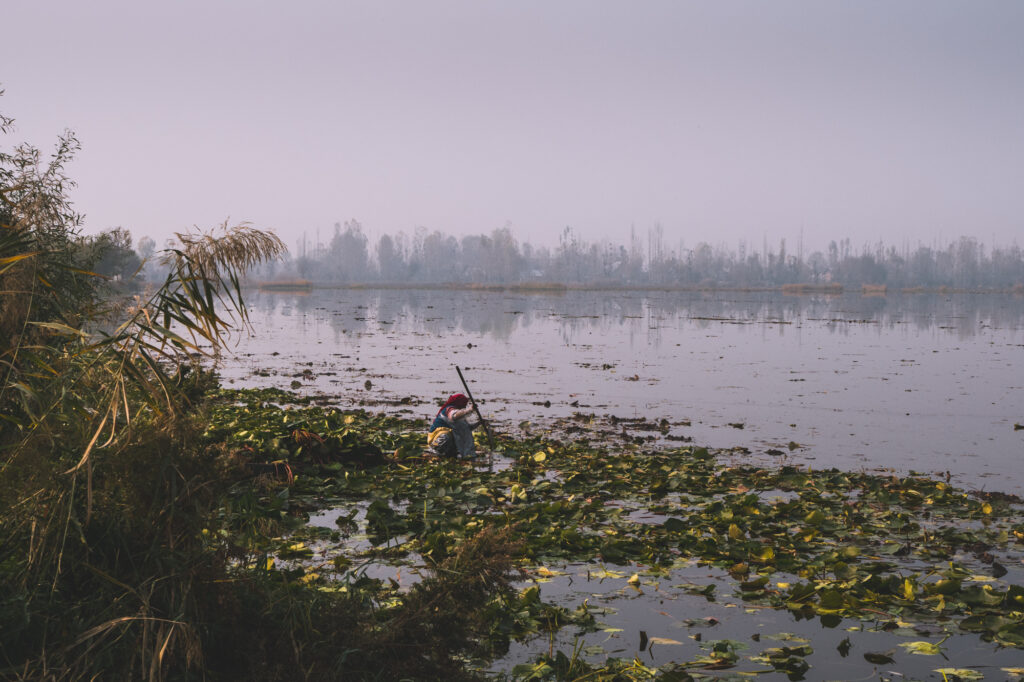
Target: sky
{"type": "Point", "coordinates": [720, 122]}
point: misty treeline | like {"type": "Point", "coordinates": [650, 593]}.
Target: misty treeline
{"type": "Point", "coordinates": [350, 256]}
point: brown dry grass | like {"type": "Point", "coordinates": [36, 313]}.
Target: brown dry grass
{"type": "Point", "coordinates": [808, 288]}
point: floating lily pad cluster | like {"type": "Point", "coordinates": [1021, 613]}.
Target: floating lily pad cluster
{"type": "Point", "coordinates": [829, 544]}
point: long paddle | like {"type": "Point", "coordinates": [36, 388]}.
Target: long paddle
{"type": "Point", "coordinates": [469, 394]}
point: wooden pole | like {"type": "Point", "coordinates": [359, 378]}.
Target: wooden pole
{"type": "Point", "coordinates": [469, 394]}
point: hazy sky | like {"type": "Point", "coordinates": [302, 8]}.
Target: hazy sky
{"type": "Point", "coordinates": [899, 120]}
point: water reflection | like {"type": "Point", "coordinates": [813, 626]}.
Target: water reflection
{"type": "Point", "coordinates": [926, 382]}
{"type": "Point", "coordinates": [500, 314]}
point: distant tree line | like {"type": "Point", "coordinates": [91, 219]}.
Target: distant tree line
{"type": "Point", "coordinates": [435, 257]}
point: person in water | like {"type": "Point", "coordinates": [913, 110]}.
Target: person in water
{"type": "Point", "coordinates": [451, 433]}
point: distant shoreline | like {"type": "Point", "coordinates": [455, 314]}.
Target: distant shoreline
{"type": "Point", "coordinates": [560, 287]}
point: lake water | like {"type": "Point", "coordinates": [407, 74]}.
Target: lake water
{"type": "Point", "coordinates": [923, 382]}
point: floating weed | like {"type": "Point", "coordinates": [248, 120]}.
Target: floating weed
{"type": "Point", "coordinates": [956, 674]}
{"type": "Point", "coordinates": [922, 648]}
{"type": "Point", "coordinates": [829, 545]}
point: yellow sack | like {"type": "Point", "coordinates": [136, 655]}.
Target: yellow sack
{"type": "Point", "coordinates": [439, 437]}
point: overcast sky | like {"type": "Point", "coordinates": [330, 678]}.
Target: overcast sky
{"type": "Point", "coordinates": [720, 121]}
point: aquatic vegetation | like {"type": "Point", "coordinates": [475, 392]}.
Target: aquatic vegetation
{"type": "Point", "coordinates": [830, 545]}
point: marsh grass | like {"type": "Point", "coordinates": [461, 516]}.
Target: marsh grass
{"type": "Point", "coordinates": [109, 487]}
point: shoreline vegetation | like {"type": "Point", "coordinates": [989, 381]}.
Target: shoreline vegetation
{"type": "Point", "coordinates": [499, 262]}
{"type": "Point", "coordinates": [834, 289]}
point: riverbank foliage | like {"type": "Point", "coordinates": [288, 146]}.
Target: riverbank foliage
{"type": "Point", "coordinates": [154, 526]}
{"type": "Point", "coordinates": [108, 489]}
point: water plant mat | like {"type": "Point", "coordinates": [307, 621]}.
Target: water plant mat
{"type": "Point", "coordinates": [355, 503]}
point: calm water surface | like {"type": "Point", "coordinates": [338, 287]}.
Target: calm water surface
{"type": "Point", "coordinates": [930, 383]}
